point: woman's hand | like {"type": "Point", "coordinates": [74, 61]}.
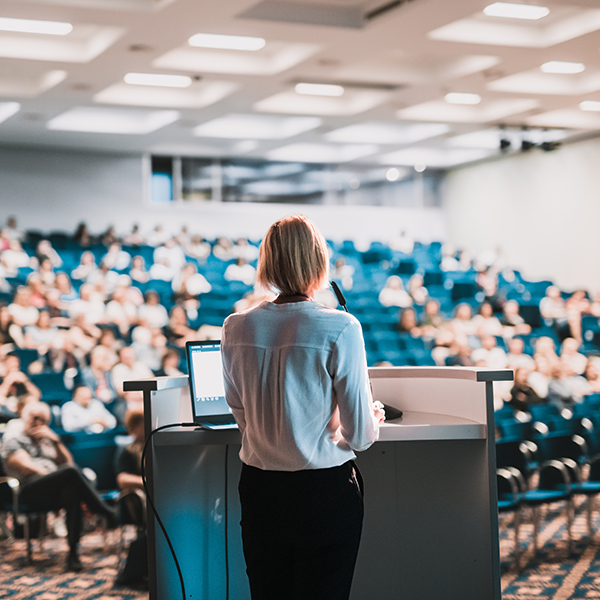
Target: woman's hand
{"type": "Point", "coordinates": [378, 411]}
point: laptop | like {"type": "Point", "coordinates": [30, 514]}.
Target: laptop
{"type": "Point", "coordinates": [207, 390]}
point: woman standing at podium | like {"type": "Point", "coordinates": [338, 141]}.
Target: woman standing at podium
{"type": "Point", "coordinates": [296, 380]}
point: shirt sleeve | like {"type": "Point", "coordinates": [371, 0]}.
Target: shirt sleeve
{"type": "Point", "coordinates": [352, 389]}
{"type": "Point", "coordinates": [232, 395]}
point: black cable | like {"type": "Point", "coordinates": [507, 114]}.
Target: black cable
{"type": "Point", "coordinates": [151, 502]}
{"type": "Point", "coordinates": [226, 523]}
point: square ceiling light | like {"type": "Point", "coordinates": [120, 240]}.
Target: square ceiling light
{"type": "Point", "coordinates": [112, 120]}
{"type": "Point", "coordinates": [385, 133]}
{"type": "Point", "coordinates": [537, 82]}
{"type": "Point", "coordinates": [28, 83]}
{"type": "Point", "coordinates": [321, 153]}
{"type": "Point", "coordinates": [487, 110]}
{"type": "Point", "coordinates": [564, 23]}
{"type": "Point", "coordinates": [8, 109]}
{"type": "Point", "coordinates": [198, 95]}
{"type": "Point", "coordinates": [354, 101]}
{"type": "Point", "coordinates": [437, 158]}
{"type": "Point", "coordinates": [82, 45]}
{"type": "Point", "coordinates": [260, 127]}
{"type": "Point", "coordinates": [274, 58]}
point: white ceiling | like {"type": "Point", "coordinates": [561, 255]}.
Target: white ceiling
{"type": "Point", "coordinates": [396, 68]}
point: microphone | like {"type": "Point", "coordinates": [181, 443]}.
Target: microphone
{"type": "Point", "coordinates": [338, 294]}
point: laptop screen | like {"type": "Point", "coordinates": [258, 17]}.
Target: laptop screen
{"type": "Point", "coordinates": [207, 389]}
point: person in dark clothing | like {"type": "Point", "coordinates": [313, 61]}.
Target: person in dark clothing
{"type": "Point", "coordinates": [48, 476]}
{"type": "Point", "coordinates": [522, 395]}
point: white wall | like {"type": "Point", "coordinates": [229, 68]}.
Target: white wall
{"type": "Point", "coordinates": [54, 190]}
{"type": "Point", "coordinates": [542, 209]}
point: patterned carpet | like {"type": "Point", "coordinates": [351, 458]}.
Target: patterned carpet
{"type": "Point", "coordinates": [551, 573]}
{"type": "Point", "coordinates": [46, 579]}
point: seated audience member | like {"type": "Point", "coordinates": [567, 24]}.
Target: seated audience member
{"type": "Point", "coordinates": [103, 280]}
{"type": "Point", "coordinates": [83, 336]}
{"type": "Point", "coordinates": [89, 305]}
{"type": "Point", "coordinates": [576, 305]}
{"type": "Point", "coordinates": [134, 238]}
{"type": "Point", "coordinates": [178, 331]}
{"type": "Point", "coordinates": [449, 261]}
{"type": "Point", "coordinates": [116, 258]}
{"type": "Point", "coordinates": [13, 384]}
{"type": "Point", "coordinates": [162, 270]}
{"type": "Point", "coordinates": [38, 291]}
{"type": "Point", "coordinates": [158, 236]}
{"type": "Point", "coordinates": [12, 230]}
{"type": "Point", "coordinates": [570, 356]}
{"type": "Point", "coordinates": [172, 252]}
{"type": "Point", "coordinates": [129, 478]}
{"type": "Point", "coordinates": [489, 355]}
{"type": "Point", "coordinates": [63, 284]}
{"type": "Point", "coordinates": [394, 294]}
{"type": "Point", "coordinates": [592, 374]}
{"type": "Point", "coordinates": [432, 320]}
{"type": "Point", "coordinates": [188, 285]}
{"type": "Point", "coordinates": [16, 425]}
{"type": "Point", "coordinates": [109, 236]}
{"type": "Point", "coordinates": [108, 340]}
{"type": "Point", "coordinates": [98, 377]}
{"type": "Point", "coordinates": [14, 258]}
{"type": "Point", "coordinates": [487, 280]}
{"type": "Point", "coordinates": [485, 321]}
{"type": "Point", "coordinates": [462, 324]}
{"type": "Point", "coordinates": [545, 347]}
{"type": "Point", "coordinates": [10, 333]}
{"type": "Point", "coordinates": [46, 272]}
{"type": "Point", "coordinates": [408, 322]}
{"type": "Point", "coordinates": [540, 377]}
{"type": "Point", "coordinates": [82, 235]}
{"type": "Point", "coordinates": [223, 249]}
{"type": "Point", "coordinates": [198, 248]}
{"type": "Point", "coordinates": [149, 345]}
{"type": "Point", "coordinates": [512, 321]}
{"type": "Point", "coordinates": [244, 249]}
{"type": "Point", "coordinates": [58, 315]}
{"type": "Point", "coordinates": [152, 311]}
{"type": "Point", "coordinates": [120, 311]}
{"type": "Point", "coordinates": [552, 308]}
{"type": "Point", "coordinates": [21, 310]}
{"type": "Point", "coordinates": [516, 358]}
{"type": "Point", "coordinates": [522, 395]}
{"type": "Point", "coordinates": [49, 479]}
{"type": "Point", "coordinates": [402, 243]}
{"type": "Point", "coordinates": [86, 413]}
{"type": "Point", "coordinates": [138, 270]}
{"type": "Point", "coordinates": [563, 388]}
{"type": "Point", "coordinates": [169, 364]}
{"type": "Point", "coordinates": [129, 368]}
{"type": "Point", "coordinates": [240, 270]}
{"type": "Point", "coordinates": [417, 291]}
{"type": "Point", "coordinates": [460, 354]}
{"type": "Point", "coordinates": [43, 334]}
{"type": "Point", "coordinates": [45, 250]}
{"type": "Point", "coordinates": [87, 265]}
{"type": "Point", "coordinates": [343, 273]}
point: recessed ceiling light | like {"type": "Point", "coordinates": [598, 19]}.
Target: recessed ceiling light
{"type": "Point", "coordinates": [227, 42]}
{"type": "Point", "coordinates": [392, 174]}
{"type": "Point", "coordinates": [462, 98]}
{"type": "Point", "coordinates": [420, 167]}
{"type": "Point", "coordinates": [319, 89]}
{"type": "Point", "coordinates": [516, 11]}
{"type": "Point", "coordinates": [561, 66]}
{"type": "Point", "coordinates": [590, 105]}
{"type": "Point", "coordinates": [155, 79]}
{"type": "Point", "coordinates": [34, 26]}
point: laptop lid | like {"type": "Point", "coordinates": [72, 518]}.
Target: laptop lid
{"type": "Point", "coordinates": [207, 390]}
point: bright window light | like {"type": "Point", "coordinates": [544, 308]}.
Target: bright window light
{"type": "Point", "coordinates": [176, 81]}
{"type": "Point", "coordinates": [392, 174]}
{"type": "Point", "coordinates": [8, 109]}
{"type": "Point", "coordinates": [462, 98]}
{"type": "Point", "coordinates": [590, 105]}
{"type": "Point", "coordinates": [33, 26]}
{"type": "Point", "coordinates": [563, 67]}
{"type": "Point", "coordinates": [227, 42]}
{"type": "Point", "coordinates": [319, 89]}
{"type": "Point", "coordinates": [516, 11]}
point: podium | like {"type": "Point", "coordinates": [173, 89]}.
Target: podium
{"type": "Point", "coordinates": [431, 523]}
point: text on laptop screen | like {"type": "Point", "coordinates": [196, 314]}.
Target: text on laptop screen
{"type": "Point", "coordinates": [208, 388]}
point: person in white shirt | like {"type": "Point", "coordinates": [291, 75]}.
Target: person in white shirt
{"type": "Point", "coordinates": [152, 311]}
{"type": "Point", "coordinates": [86, 413]}
{"type": "Point", "coordinates": [240, 270]}
{"type": "Point", "coordinates": [296, 380]}
{"type": "Point", "coordinates": [394, 294]}
{"type": "Point", "coordinates": [129, 368]}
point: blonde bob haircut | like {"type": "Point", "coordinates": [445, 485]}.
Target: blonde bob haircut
{"type": "Point", "coordinates": [293, 257]}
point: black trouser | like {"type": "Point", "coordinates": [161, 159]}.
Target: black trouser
{"type": "Point", "coordinates": [66, 488]}
{"type": "Point", "coordinates": [301, 531]}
